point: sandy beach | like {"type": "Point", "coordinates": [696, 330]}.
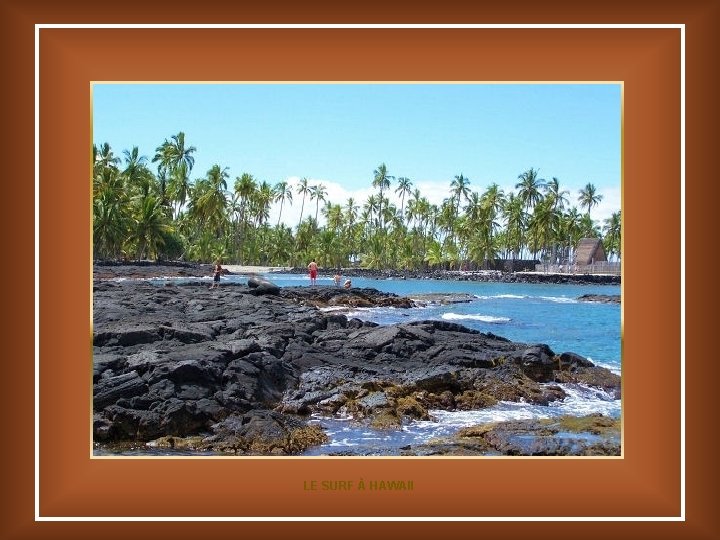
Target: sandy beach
{"type": "Point", "coordinates": [240, 269]}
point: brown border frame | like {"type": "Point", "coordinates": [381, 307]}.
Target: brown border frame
{"type": "Point", "coordinates": [70, 482]}
{"type": "Point", "coordinates": [69, 58]}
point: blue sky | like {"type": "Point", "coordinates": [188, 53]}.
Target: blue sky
{"type": "Point", "coordinates": [338, 134]}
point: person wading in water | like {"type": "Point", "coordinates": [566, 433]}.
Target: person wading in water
{"type": "Point", "coordinates": [313, 268]}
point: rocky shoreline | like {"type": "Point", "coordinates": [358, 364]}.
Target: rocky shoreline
{"type": "Point", "coordinates": [146, 269]}
{"type": "Point", "coordinates": [487, 276]}
{"type": "Point", "coordinates": [240, 369]}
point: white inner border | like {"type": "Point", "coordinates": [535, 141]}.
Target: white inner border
{"type": "Point", "coordinates": [38, 517]}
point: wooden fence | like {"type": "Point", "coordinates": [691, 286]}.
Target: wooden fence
{"type": "Point", "coordinates": [595, 268]}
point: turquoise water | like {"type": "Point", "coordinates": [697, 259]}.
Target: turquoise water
{"type": "Point", "coordinates": [529, 313]}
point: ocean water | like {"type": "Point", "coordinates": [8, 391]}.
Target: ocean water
{"type": "Point", "coordinates": [529, 313]}
{"type": "Point", "coordinates": [346, 437]}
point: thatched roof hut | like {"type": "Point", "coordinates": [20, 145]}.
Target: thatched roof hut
{"type": "Point", "coordinates": [589, 251]}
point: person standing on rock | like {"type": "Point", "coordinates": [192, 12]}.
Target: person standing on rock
{"type": "Point", "coordinates": [216, 275]}
{"type": "Point", "coordinates": [313, 268]}
{"type": "Point", "coordinates": [337, 279]}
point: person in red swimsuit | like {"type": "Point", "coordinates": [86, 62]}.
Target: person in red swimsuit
{"type": "Point", "coordinates": [313, 268]}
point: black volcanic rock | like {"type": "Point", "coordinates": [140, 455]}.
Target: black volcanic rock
{"type": "Point", "coordinates": [179, 360]}
{"type": "Point", "coordinates": [600, 298]}
{"type": "Point", "coordinates": [323, 296]}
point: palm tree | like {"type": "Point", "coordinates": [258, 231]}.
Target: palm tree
{"type": "Point", "coordinates": [260, 202]}
{"type": "Point", "coordinates": [365, 219]}
{"type": "Point", "coordinates": [170, 154]}
{"type": "Point", "coordinates": [483, 247]}
{"type": "Point", "coordinates": [283, 193]}
{"type": "Point", "coordinates": [544, 226]}
{"type": "Point", "coordinates": [493, 200]}
{"type": "Point", "coordinates": [552, 191]}
{"type": "Point", "coordinates": [179, 187]}
{"type": "Point", "coordinates": [413, 211]}
{"type": "Point", "coordinates": [588, 228]}
{"type": "Point", "coordinates": [281, 246]}
{"type": "Point", "coordinates": [613, 234]}
{"type": "Point", "coordinates": [103, 156]}
{"type": "Point", "coordinates": [302, 189]}
{"type": "Point", "coordinates": [571, 231]}
{"type": "Point", "coordinates": [459, 189]}
{"type": "Point", "coordinates": [588, 198]}
{"type": "Point", "coordinates": [484, 222]}
{"type": "Point", "coordinates": [404, 188]}
{"type": "Point", "coordinates": [452, 255]}
{"type": "Point", "coordinates": [208, 201]}
{"type": "Point", "coordinates": [431, 218]}
{"type": "Point", "coordinates": [351, 212]}
{"type": "Point", "coordinates": [112, 212]}
{"type": "Point", "coordinates": [244, 186]}
{"type": "Point", "coordinates": [134, 163]}
{"type": "Point", "coordinates": [381, 179]}
{"type": "Point", "coordinates": [150, 223]}
{"type": "Point", "coordinates": [333, 217]}
{"type": "Point", "coordinates": [374, 253]}
{"type": "Point", "coordinates": [371, 207]}
{"type": "Point", "coordinates": [139, 180]}
{"type": "Point", "coordinates": [529, 186]}
{"type": "Point", "coordinates": [180, 154]}
{"type": "Point", "coordinates": [151, 214]}
{"type": "Point", "coordinates": [433, 255]}
{"type": "Point", "coordinates": [111, 223]}
{"type": "Point", "coordinates": [447, 217]}
{"type": "Point", "coordinates": [317, 192]}
{"type": "Point", "coordinates": [303, 238]}
{"type": "Point", "coordinates": [407, 256]}
{"type": "Point", "coordinates": [515, 223]}
{"type": "Point", "coordinates": [473, 210]}
{"type": "Point", "coordinates": [164, 157]}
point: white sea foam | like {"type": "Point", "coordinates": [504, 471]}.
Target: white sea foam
{"type": "Point", "coordinates": [560, 299]}
{"type": "Point", "coordinates": [612, 367]}
{"type": "Point", "coordinates": [333, 308]}
{"type": "Point", "coordinates": [584, 400]}
{"type": "Point", "coordinates": [482, 318]}
{"type": "Point", "coordinates": [502, 412]}
{"type": "Point", "coordinates": [504, 296]}
{"type": "Point", "coordinates": [344, 442]}
{"type": "Point", "coordinates": [580, 401]}
{"type": "Point", "coordinates": [360, 313]}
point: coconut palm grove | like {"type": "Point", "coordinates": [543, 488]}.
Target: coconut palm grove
{"type": "Point", "coordinates": [159, 208]}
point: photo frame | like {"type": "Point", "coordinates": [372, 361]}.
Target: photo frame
{"type": "Point", "coordinates": [646, 485]}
